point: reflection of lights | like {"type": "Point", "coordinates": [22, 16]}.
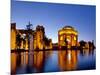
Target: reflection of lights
{"type": "Point", "coordinates": [69, 56]}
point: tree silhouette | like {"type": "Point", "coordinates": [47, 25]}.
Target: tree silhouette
{"type": "Point", "coordinates": [24, 41]}
{"type": "Point", "coordinates": [18, 40]}
{"type": "Point", "coordinates": [66, 42]}
{"type": "Point", "coordinates": [82, 43]}
{"type": "Point", "coordinates": [46, 41]}
{"type": "Point", "coordinates": [91, 44]}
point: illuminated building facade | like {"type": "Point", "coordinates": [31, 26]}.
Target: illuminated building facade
{"type": "Point", "coordinates": [67, 37]}
{"type": "Point", "coordinates": [13, 36]}
{"type": "Point", "coordinates": [38, 40]}
{"type": "Point", "coordinates": [40, 34]}
{"type": "Point", "coordinates": [23, 39]}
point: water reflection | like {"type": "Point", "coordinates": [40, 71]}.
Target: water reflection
{"type": "Point", "coordinates": [86, 52]}
{"type": "Point", "coordinates": [13, 63]}
{"type": "Point", "coordinates": [39, 58]}
{"type": "Point", "coordinates": [67, 60]}
{"type": "Point", "coordinates": [41, 61]}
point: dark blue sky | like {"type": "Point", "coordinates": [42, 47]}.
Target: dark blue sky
{"type": "Point", "coordinates": [55, 16]}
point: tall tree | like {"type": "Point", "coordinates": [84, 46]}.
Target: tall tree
{"type": "Point", "coordinates": [18, 40]}
{"type": "Point", "coordinates": [82, 43]}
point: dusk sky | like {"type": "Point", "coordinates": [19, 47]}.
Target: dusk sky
{"type": "Point", "coordinates": [55, 16]}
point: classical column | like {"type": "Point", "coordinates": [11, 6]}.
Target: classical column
{"type": "Point", "coordinates": [71, 39]}
{"type": "Point", "coordinates": [76, 39]}
{"type": "Point", "coordinates": [58, 40]}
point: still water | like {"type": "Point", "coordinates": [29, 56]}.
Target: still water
{"type": "Point", "coordinates": [52, 61]}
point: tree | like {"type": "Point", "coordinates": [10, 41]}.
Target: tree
{"type": "Point", "coordinates": [91, 44]}
{"type": "Point", "coordinates": [82, 43]}
{"type": "Point", "coordinates": [46, 40]}
{"type": "Point", "coordinates": [18, 40]}
{"type": "Point", "coordinates": [66, 42]}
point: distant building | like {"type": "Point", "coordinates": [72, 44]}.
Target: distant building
{"type": "Point", "coordinates": [67, 37]}
{"type": "Point", "coordinates": [38, 40]}
{"type": "Point", "coordinates": [23, 38]}
{"type": "Point", "coordinates": [40, 34]}
{"type": "Point", "coordinates": [13, 36]}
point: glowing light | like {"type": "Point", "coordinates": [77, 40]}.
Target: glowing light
{"type": "Point", "coordinates": [69, 56]}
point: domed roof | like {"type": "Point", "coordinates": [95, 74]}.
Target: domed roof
{"type": "Point", "coordinates": [68, 30]}
{"type": "Point", "coordinates": [68, 27]}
